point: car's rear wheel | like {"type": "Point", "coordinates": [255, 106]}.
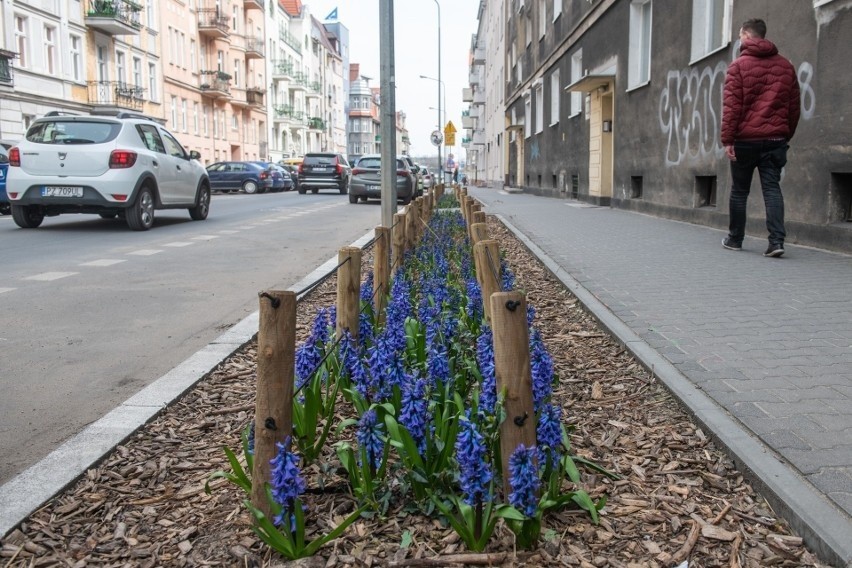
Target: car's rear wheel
{"type": "Point", "coordinates": [353, 198]}
{"type": "Point", "coordinates": [202, 205]}
{"type": "Point", "coordinates": [27, 216]}
{"type": "Point", "coordinates": [344, 189]}
{"type": "Point", "coordinates": [301, 190]}
{"type": "Point", "coordinates": [250, 186]}
{"type": "Point", "coordinates": [140, 215]}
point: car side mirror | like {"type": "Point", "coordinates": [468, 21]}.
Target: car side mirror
{"type": "Point", "coordinates": [194, 155]}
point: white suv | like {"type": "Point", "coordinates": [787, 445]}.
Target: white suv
{"type": "Point", "coordinates": [123, 164]}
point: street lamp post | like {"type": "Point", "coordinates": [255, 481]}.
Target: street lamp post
{"type": "Point", "coordinates": [440, 151]}
{"type": "Point", "coordinates": [440, 123]}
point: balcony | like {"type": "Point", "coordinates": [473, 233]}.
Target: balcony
{"type": "Point", "coordinates": [299, 82]}
{"type": "Point", "coordinates": [479, 97]}
{"type": "Point", "coordinates": [282, 69]}
{"type": "Point", "coordinates": [478, 137]}
{"type": "Point", "coordinates": [115, 94]}
{"type": "Point", "coordinates": [114, 17]}
{"type": "Point", "coordinates": [254, 96]}
{"type": "Point", "coordinates": [475, 111]}
{"type": "Point", "coordinates": [316, 123]}
{"type": "Point", "coordinates": [290, 40]}
{"type": "Point", "coordinates": [479, 56]}
{"type": "Point", "coordinates": [474, 76]}
{"type": "Point", "coordinates": [212, 24]}
{"type": "Point", "coordinates": [253, 5]}
{"type": "Point", "coordinates": [282, 113]}
{"type": "Point", "coordinates": [215, 85]}
{"type": "Point", "coordinates": [465, 142]}
{"type": "Point", "coordinates": [468, 122]}
{"type": "Point", "coordinates": [467, 95]}
{"type": "Point", "coordinates": [254, 48]}
{"type": "Point", "coordinates": [314, 89]}
{"type": "Point", "coordinates": [6, 58]}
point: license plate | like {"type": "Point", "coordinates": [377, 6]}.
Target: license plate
{"type": "Point", "coordinates": [320, 169]}
{"type": "Point", "coordinates": [61, 191]}
{"type": "Point", "coordinates": [373, 188]}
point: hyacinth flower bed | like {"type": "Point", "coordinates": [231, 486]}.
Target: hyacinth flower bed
{"type": "Point", "coordinates": [415, 398]}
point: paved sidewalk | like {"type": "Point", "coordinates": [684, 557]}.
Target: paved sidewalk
{"type": "Point", "coordinates": [758, 349]}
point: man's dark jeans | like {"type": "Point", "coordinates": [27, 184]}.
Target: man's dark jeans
{"type": "Point", "coordinates": [769, 157]}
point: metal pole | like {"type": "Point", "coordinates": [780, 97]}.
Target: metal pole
{"type": "Point", "coordinates": [387, 111]}
{"type": "Point", "coordinates": [440, 126]}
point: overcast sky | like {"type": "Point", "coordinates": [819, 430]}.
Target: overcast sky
{"type": "Point", "coordinates": [416, 38]}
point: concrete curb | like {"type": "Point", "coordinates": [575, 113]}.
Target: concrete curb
{"type": "Point", "coordinates": [825, 528]}
{"type": "Point", "coordinates": [25, 493]}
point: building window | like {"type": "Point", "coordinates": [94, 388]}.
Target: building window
{"type": "Point", "coordinates": [554, 97]}
{"type": "Point", "coordinates": [235, 122]}
{"type": "Point", "coordinates": [5, 68]}
{"type": "Point", "coordinates": [50, 49]}
{"type": "Point", "coordinates": [152, 82]}
{"type": "Point", "coordinates": [527, 116]}
{"type": "Point", "coordinates": [576, 75]}
{"type": "Point", "coordinates": [711, 23]}
{"type": "Point", "coordinates": [539, 108]}
{"type": "Point", "coordinates": [204, 129]}
{"type": "Point", "coordinates": [528, 27]}
{"type": "Point", "coordinates": [76, 57]}
{"type": "Point", "coordinates": [195, 118]}
{"type": "Point", "coordinates": [236, 72]}
{"type": "Point", "coordinates": [639, 66]}
{"type": "Point", "coordinates": [557, 9]}
{"type": "Point", "coordinates": [174, 113]}
{"type": "Point", "coordinates": [120, 69]}
{"type": "Point", "coordinates": [21, 41]}
{"type": "Point", "coordinates": [183, 115]}
{"type": "Point", "coordinates": [193, 60]}
{"type": "Point", "coordinates": [149, 15]}
{"type": "Point", "coordinates": [542, 18]}
{"type": "Point", "coordinates": [137, 72]}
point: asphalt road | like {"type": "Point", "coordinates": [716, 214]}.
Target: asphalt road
{"type": "Point", "coordinates": [91, 312]}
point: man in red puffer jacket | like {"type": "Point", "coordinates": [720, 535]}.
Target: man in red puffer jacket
{"type": "Point", "coordinates": [760, 113]}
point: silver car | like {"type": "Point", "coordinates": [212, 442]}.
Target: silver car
{"type": "Point", "coordinates": [367, 180]}
{"type": "Point", "coordinates": [122, 164]}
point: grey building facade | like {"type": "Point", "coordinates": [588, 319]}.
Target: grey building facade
{"type": "Point", "coordinates": [619, 103]}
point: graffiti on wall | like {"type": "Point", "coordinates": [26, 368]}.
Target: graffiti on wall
{"type": "Point", "coordinates": [690, 111]}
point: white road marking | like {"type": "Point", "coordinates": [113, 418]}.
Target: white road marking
{"type": "Point", "coordinates": [3, 290]}
{"type": "Point", "coordinates": [177, 244]}
{"type": "Point", "coordinates": [228, 232]}
{"type": "Point", "coordinates": [145, 252]}
{"type": "Point", "coordinates": [48, 276]}
{"type": "Point", "coordinates": [205, 237]}
{"type": "Point", "coordinates": [103, 262]}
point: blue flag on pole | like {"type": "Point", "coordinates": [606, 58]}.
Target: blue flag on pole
{"type": "Point", "coordinates": [332, 15]}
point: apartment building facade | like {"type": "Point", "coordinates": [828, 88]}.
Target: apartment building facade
{"type": "Point", "coordinates": [618, 103]}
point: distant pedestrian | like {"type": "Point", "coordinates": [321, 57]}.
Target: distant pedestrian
{"type": "Point", "coordinates": [760, 113]}
{"type": "Point", "coordinates": [456, 175]}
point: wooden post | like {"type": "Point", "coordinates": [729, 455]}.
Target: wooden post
{"type": "Point", "coordinates": [475, 208]}
{"type": "Point", "coordinates": [486, 257]}
{"type": "Point", "coordinates": [397, 242]}
{"type": "Point", "coordinates": [276, 358]}
{"type": "Point", "coordinates": [479, 216]}
{"type": "Point", "coordinates": [513, 374]}
{"type": "Point", "coordinates": [424, 215]}
{"type": "Point", "coordinates": [410, 228]}
{"type": "Point", "coordinates": [479, 232]}
{"type": "Point", "coordinates": [381, 272]}
{"type": "Point", "coordinates": [348, 290]}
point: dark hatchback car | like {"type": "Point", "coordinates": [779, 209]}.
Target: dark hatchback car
{"type": "Point", "coordinates": [367, 180]}
{"type": "Point", "coordinates": [234, 176]}
{"type": "Point", "coordinates": [281, 180]}
{"type": "Point", "coordinates": [324, 171]}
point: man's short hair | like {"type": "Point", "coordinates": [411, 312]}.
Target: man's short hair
{"type": "Point", "coordinates": [755, 26]}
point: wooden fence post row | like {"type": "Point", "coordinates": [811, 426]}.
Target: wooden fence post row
{"type": "Point", "coordinates": [381, 272]}
{"type": "Point", "coordinates": [348, 290]}
{"type": "Point", "coordinates": [276, 357]}
{"type": "Point", "coordinates": [486, 258]}
{"type": "Point", "coordinates": [397, 242]}
{"type": "Point", "coordinates": [513, 373]}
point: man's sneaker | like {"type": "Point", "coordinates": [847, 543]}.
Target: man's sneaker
{"type": "Point", "coordinates": [774, 250]}
{"type": "Point", "coordinates": [729, 244]}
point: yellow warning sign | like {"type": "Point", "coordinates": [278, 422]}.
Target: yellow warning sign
{"type": "Point", "coordinates": [450, 139]}
{"type": "Point", "coordinates": [450, 128]}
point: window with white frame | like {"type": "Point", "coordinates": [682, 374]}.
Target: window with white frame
{"type": "Point", "coordinates": [22, 43]}
{"type": "Point", "coordinates": [174, 112]}
{"type": "Point", "coordinates": [542, 18]}
{"type": "Point", "coordinates": [150, 19]}
{"type": "Point", "coordinates": [711, 23]}
{"type": "Point", "coordinates": [215, 125]}
{"type": "Point", "coordinates": [539, 107]}
{"type": "Point", "coordinates": [182, 49]}
{"type": "Point", "coordinates": [195, 118]}
{"type": "Point", "coordinates": [557, 9]}
{"type": "Point", "coordinates": [50, 49]}
{"type": "Point", "coordinates": [193, 59]}
{"type": "Point", "coordinates": [235, 122]}
{"type": "Point", "coordinates": [236, 10]}
{"type": "Point", "coordinates": [120, 68]}
{"type": "Point", "coordinates": [576, 75]}
{"type": "Point", "coordinates": [137, 72]}
{"type": "Point", "coordinates": [237, 72]}
{"type": "Point", "coordinates": [527, 116]}
{"type": "Point", "coordinates": [639, 59]}
{"type": "Point", "coordinates": [204, 129]}
{"type": "Point", "coordinates": [76, 57]}
{"type": "Point", "coordinates": [183, 115]}
{"type": "Point", "coordinates": [555, 89]}
{"type": "Point", "coordinates": [152, 82]}
{"type": "Point", "coordinates": [528, 26]}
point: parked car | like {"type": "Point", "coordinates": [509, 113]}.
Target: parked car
{"type": "Point", "coordinates": [418, 180]}
{"type": "Point", "coordinates": [235, 176]}
{"type": "Point", "coordinates": [324, 171]}
{"type": "Point", "coordinates": [428, 182]}
{"type": "Point", "coordinates": [281, 179]}
{"type": "Point", "coordinates": [294, 174]}
{"type": "Point", "coordinates": [110, 164]}
{"type": "Point", "coordinates": [5, 209]}
{"type": "Point", "coordinates": [367, 180]}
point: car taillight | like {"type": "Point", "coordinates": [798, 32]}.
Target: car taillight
{"type": "Point", "coordinates": [264, 175]}
{"type": "Point", "coordinates": [401, 173]}
{"type": "Point", "coordinates": [15, 157]}
{"type": "Point", "coordinates": [338, 167]}
{"type": "Point", "coordinates": [301, 168]}
{"type": "Point", "coordinates": [120, 159]}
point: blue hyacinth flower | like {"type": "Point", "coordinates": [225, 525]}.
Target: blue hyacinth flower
{"type": "Point", "coordinates": [524, 481]}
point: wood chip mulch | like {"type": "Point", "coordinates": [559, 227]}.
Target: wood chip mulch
{"type": "Point", "coordinates": [679, 499]}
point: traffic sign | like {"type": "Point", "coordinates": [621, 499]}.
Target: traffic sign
{"type": "Point", "coordinates": [437, 138]}
{"type": "Point", "coordinates": [450, 128]}
{"type": "Point", "coordinates": [450, 139]}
